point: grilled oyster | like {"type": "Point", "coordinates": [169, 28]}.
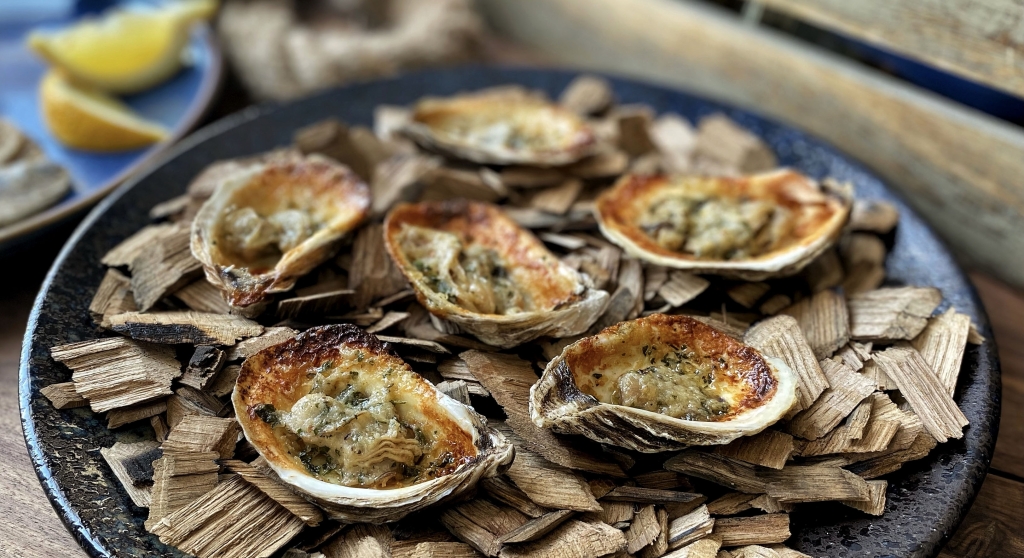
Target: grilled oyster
{"type": "Point", "coordinates": [503, 126]}
{"type": "Point", "coordinates": [662, 383]}
{"type": "Point", "coordinates": [270, 223]}
{"type": "Point", "coordinates": [753, 227]}
{"type": "Point", "coordinates": [472, 265]}
{"type": "Point", "coordinates": [347, 424]}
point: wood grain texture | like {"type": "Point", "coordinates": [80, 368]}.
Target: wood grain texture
{"type": "Point", "coordinates": [952, 163]}
{"type": "Point", "coordinates": [982, 41]}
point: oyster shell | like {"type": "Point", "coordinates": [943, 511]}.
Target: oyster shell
{"type": "Point", "coordinates": [471, 265]}
{"type": "Point", "coordinates": [347, 424]}
{"type": "Point", "coordinates": [504, 126]}
{"type": "Point", "coordinates": [271, 222]}
{"type": "Point", "coordinates": [29, 186]}
{"type": "Point", "coordinates": [752, 227]}
{"type": "Point", "coordinates": [662, 383]}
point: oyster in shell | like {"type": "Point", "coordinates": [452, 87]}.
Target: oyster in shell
{"type": "Point", "coordinates": [471, 265]}
{"type": "Point", "coordinates": [502, 127]}
{"type": "Point", "coordinates": [269, 223]}
{"type": "Point", "coordinates": [752, 227]}
{"type": "Point", "coordinates": [347, 424]}
{"type": "Point", "coordinates": [662, 383]}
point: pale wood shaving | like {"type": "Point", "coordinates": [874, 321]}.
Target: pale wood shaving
{"type": "Point", "coordinates": [877, 375]}
{"type": "Point", "coordinates": [813, 483]}
{"type": "Point", "coordinates": [434, 550]}
{"type": "Point", "coordinates": [117, 418]}
{"type": "Point", "coordinates": [754, 551]}
{"type": "Point", "coordinates": [759, 529]}
{"type": "Point", "coordinates": [892, 313]}
{"type": "Point", "coordinates": [824, 320]}
{"type": "Point", "coordinates": [502, 490]}
{"type": "Point", "coordinates": [536, 527]}
{"type": "Point", "coordinates": [682, 287]}
{"type": "Point", "coordinates": [118, 458]}
{"type": "Point", "coordinates": [847, 389]}
{"type": "Point", "coordinates": [644, 529]}
{"type": "Point", "coordinates": [660, 545]}
{"type": "Point", "coordinates": [179, 479]}
{"type": "Point", "coordinates": [362, 541]}
{"type": "Point", "coordinates": [786, 552]}
{"type": "Point", "coordinates": [551, 485]}
{"type": "Point", "coordinates": [200, 434]}
{"type": "Point", "coordinates": [202, 296]}
{"type": "Point", "coordinates": [770, 448]}
{"type": "Point", "coordinates": [456, 389]}
{"type": "Point", "coordinates": [270, 337]}
{"type": "Point", "coordinates": [117, 372]}
{"type": "Point", "coordinates": [271, 486]}
{"type": "Point", "coordinates": [941, 416]}
{"type": "Point", "coordinates": [882, 425]}
{"type": "Point", "coordinates": [113, 296]}
{"type": "Point", "coordinates": [234, 520]}
{"type": "Point", "coordinates": [612, 512]}
{"type": "Point", "coordinates": [131, 247]}
{"type": "Point", "coordinates": [64, 396]}
{"type": "Point", "coordinates": [875, 505]}
{"type": "Point", "coordinates": [688, 528]}
{"type": "Point", "coordinates": [854, 355]}
{"type": "Point", "coordinates": [572, 539]}
{"type": "Point", "coordinates": [857, 421]}
{"type": "Point", "coordinates": [781, 337]}
{"type": "Point", "coordinates": [942, 344]}
{"type": "Point", "coordinates": [163, 267]}
{"type": "Point", "coordinates": [703, 548]}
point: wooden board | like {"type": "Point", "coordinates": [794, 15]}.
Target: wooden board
{"type": "Point", "coordinates": [952, 163]}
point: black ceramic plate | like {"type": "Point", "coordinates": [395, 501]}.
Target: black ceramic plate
{"type": "Point", "coordinates": [926, 500]}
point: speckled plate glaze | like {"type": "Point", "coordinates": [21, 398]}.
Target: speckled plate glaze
{"type": "Point", "coordinates": [926, 499]}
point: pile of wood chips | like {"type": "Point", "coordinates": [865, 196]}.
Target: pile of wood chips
{"type": "Point", "coordinates": [877, 370]}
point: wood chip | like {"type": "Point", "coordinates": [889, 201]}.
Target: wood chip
{"type": "Point", "coordinates": [373, 275]}
{"type": "Point", "coordinates": [675, 140]}
{"type": "Point", "coordinates": [633, 122]}
{"type": "Point", "coordinates": [731, 503]}
{"type": "Point", "coordinates": [187, 326]}
{"type": "Point", "coordinates": [234, 520]}
{"type": "Point", "coordinates": [508, 379]}
{"type": "Point", "coordinates": [612, 513]}
{"type": "Point", "coordinates": [160, 428]}
{"type": "Point", "coordinates": [770, 448]}
{"type": "Point", "coordinates": [502, 490]}
{"type": "Point", "coordinates": [117, 372]}
{"type": "Point", "coordinates": [572, 539]}
{"type": "Point", "coordinates": [557, 199]}
{"type": "Point", "coordinates": [781, 337]}
{"type": "Point", "coordinates": [644, 529]}
{"type": "Point", "coordinates": [942, 344]}
{"type": "Point", "coordinates": [643, 495]}
{"type": "Point", "coordinates": [857, 421]}
{"type": "Point", "coordinates": [536, 527]}
{"type": "Point", "coordinates": [64, 396]}
{"type": "Point", "coordinates": [814, 483]}
{"type": "Point", "coordinates": [825, 272]}
{"type": "Point", "coordinates": [924, 391]}
{"type": "Point", "coordinates": [178, 481]}
{"type": "Point", "coordinates": [400, 179]}
{"type": "Point", "coordinates": [431, 346]}
{"type": "Point", "coordinates": [131, 247]}
{"type": "Point", "coordinates": [775, 304]}
{"type": "Point", "coordinates": [271, 486]}
{"type": "Point", "coordinates": [204, 365]}
{"type": "Point", "coordinates": [725, 143]}
{"type": "Point", "coordinates": [703, 548]}
{"type": "Point", "coordinates": [120, 457]}
{"type": "Point", "coordinates": [877, 375]}
{"type": "Point", "coordinates": [470, 532]}
{"type": "Point", "coordinates": [718, 469]}
{"type": "Point", "coordinates": [606, 164]}
{"type": "Point", "coordinates": [754, 551]}
{"type": "Point", "coordinates": [664, 480]}
{"type": "Point", "coordinates": [889, 461]}
{"type": "Point", "coordinates": [882, 425]}
{"type": "Point", "coordinates": [163, 267]}
{"type": "Point", "coordinates": [551, 485]}
{"type": "Point", "coordinates": [314, 305]}
{"type": "Point", "coordinates": [747, 294]}
{"type": "Point", "coordinates": [892, 313]}
{"type": "Point", "coordinates": [202, 296]}
{"type": "Point", "coordinates": [847, 389]}
{"type": "Point", "coordinates": [659, 546]}
{"type": "Point", "coordinates": [200, 434]}
{"type": "Point", "coordinates": [456, 389]}
{"type": "Point", "coordinates": [875, 505]}
{"type": "Point", "coordinates": [117, 418]}
{"type": "Point", "coordinates": [270, 337]}
{"type": "Point", "coordinates": [434, 550]}
{"type": "Point", "coordinates": [785, 552]}
{"type": "Point", "coordinates": [873, 216]}
{"type": "Point", "coordinates": [654, 277]}
{"type": "Point", "coordinates": [854, 354]}
{"type": "Point", "coordinates": [390, 319]}
{"type": "Point", "coordinates": [114, 296]}
{"type": "Point", "coordinates": [586, 95]}
{"type": "Point", "coordinates": [759, 529]}
{"type": "Point", "coordinates": [361, 541]}
{"type": "Point", "coordinates": [824, 321]}
{"type": "Point", "coordinates": [530, 177]}
{"type": "Point", "coordinates": [445, 183]}
{"type": "Point", "coordinates": [682, 287]}
{"type": "Point", "coordinates": [690, 527]}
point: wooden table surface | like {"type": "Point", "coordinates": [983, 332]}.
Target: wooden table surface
{"type": "Point", "coordinates": [29, 527]}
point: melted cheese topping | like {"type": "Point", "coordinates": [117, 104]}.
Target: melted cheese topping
{"type": "Point", "coordinates": [716, 228]}
{"type": "Point", "coordinates": [264, 238]}
{"type": "Point", "coordinates": [363, 426]}
{"type": "Point", "coordinates": [500, 123]}
{"type": "Point", "coordinates": [470, 276]}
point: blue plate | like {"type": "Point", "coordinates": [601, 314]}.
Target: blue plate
{"type": "Point", "coordinates": [178, 104]}
{"type": "Point", "coordinates": [926, 499]}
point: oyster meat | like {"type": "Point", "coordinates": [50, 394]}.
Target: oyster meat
{"type": "Point", "coordinates": [346, 423]}
{"type": "Point", "coordinates": [662, 383]}
{"type": "Point", "coordinates": [267, 224]}
{"type": "Point", "coordinates": [503, 126]}
{"type": "Point", "coordinates": [471, 265]}
{"type": "Point", "coordinates": [752, 227]}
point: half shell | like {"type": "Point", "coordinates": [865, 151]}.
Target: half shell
{"type": "Point", "coordinates": [270, 223]}
{"type": "Point", "coordinates": [327, 380]}
{"type": "Point", "coordinates": [471, 265]}
{"type": "Point", "coordinates": [617, 386]}
{"type": "Point", "coordinates": [503, 126]}
{"type": "Point", "coordinates": [752, 227]}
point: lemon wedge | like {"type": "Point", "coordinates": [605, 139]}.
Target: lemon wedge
{"type": "Point", "coordinates": [91, 120]}
{"type": "Point", "coordinates": [124, 50]}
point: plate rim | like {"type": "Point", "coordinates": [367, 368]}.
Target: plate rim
{"type": "Point", "coordinates": [209, 86]}
{"type": "Point", "coordinates": [96, 549]}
